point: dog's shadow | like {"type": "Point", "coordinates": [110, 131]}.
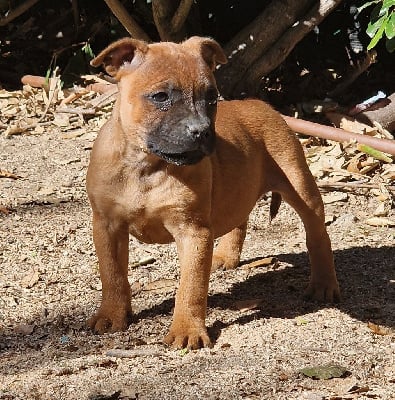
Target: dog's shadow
{"type": "Point", "coordinates": [366, 276]}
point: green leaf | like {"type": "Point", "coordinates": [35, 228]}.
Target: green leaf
{"type": "Point", "coordinates": [377, 154]}
{"type": "Point", "coordinates": [368, 4]}
{"type": "Point", "coordinates": [325, 371]}
{"type": "Point", "coordinates": [184, 352]}
{"type": "Point", "coordinates": [388, 4]}
{"type": "Point", "coordinates": [390, 27]}
{"type": "Point", "coordinates": [378, 35]}
{"type": "Point", "coordinates": [385, 6]}
{"type": "Point", "coordinates": [373, 27]}
{"type": "Point", "coordinates": [88, 50]}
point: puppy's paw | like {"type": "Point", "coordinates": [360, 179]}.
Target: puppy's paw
{"type": "Point", "coordinates": [324, 292]}
{"type": "Point", "coordinates": [192, 339]}
{"type": "Point", "coordinates": [109, 322]}
{"type": "Point", "coordinates": [223, 262]}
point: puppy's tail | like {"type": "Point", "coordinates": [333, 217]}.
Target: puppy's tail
{"type": "Point", "coordinates": [274, 205]}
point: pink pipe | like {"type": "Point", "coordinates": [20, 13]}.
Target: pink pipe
{"type": "Point", "coordinates": [339, 135]}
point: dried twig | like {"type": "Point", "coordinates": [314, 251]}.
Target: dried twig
{"type": "Point", "coordinates": [76, 110]}
{"type": "Point", "coordinates": [132, 353]}
{"type": "Point", "coordinates": [105, 98]}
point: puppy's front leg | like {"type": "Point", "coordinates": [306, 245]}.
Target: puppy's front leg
{"type": "Point", "coordinates": [188, 329]}
{"type": "Point", "coordinates": [111, 242]}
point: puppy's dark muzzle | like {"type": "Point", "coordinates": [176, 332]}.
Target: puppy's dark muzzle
{"type": "Point", "coordinates": [186, 147]}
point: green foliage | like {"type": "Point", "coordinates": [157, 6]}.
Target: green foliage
{"type": "Point", "coordinates": [382, 23]}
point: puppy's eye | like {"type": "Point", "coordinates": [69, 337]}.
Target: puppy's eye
{"type": "Point", "coordinates": [160, 97]}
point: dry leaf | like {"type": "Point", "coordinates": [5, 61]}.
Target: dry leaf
{"type": "Point", "coordinates": [24, 329]}
{"type": "Point", "coordinates": [161, 286]}
{"type": "Point", "coordinates": [61, 120]}
{"type": "Point", "coordinates": [389, 172]}
{"type": "Point", "coordinates": [46, 191]}
{"type": "Point", "coordinates": [6, 174]}
{"type": "Point", "coordinates": [368, 166]}
{"type": "Point", "coordinates": [356, 389]}
{"type": "Point", "coordinates": [247, 305]}
{"type": "Point", "coordinates": [382, 210]}
{"type": "Point", "coordinates": [334, 197]}
{"type": "Point", "coordinates": [378, 330]}
{"type": "Point", "coordinates": [136, 287]}
{"type": "Point", "coordinates": [350, 124]}
{"type": "Point", "coordinates": [30, 279]}
{"type": "Point", "coordinates": [4, 209]}
{"type": "Point", "coordinates": [354, 164]}
{"type": "Point", "coordinates": [39, 129]}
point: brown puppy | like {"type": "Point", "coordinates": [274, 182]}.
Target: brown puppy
{"type": "Point", "coordinates": [171, 165]}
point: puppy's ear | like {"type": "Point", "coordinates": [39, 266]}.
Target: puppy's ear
{"type": "Point", "coordinates": [125, 51]}
{"type": "Point", "coordinates": [209, 49]}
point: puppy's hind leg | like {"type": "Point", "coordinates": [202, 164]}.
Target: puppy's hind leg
{"type": "Point", "coordinates": [298, 188]}
{"type": "Point", "coordinates": [227, 253]}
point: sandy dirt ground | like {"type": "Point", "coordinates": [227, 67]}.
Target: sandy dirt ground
{"type": "Point", "coordinates": [263, 330]}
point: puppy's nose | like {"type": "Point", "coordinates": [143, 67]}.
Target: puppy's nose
{"type": "Point", "coordinates": [201, 134]}
{"type": "Point", "coordinates": [199, 130]}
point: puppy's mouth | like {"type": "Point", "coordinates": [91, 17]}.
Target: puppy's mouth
{"type": "Point", "coordinates": [184, 158]}
{"type": "Point", "coordinates": [188, 155]}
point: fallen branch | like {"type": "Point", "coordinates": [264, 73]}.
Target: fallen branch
{"type": "Point", "coordinates": [338, 135]}
{"type": "Point", "coordinates": [17, 12]}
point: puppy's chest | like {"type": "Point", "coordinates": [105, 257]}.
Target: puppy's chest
{"type": "Point", "coordinates": [145, 204]}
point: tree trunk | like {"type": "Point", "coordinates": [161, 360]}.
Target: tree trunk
{"type": "Point", "coordinates": [170, 17]}
{"type": "Point", "coordinates": [127, 20]}
{"type": "Point", "coordinates": [265, 43]}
